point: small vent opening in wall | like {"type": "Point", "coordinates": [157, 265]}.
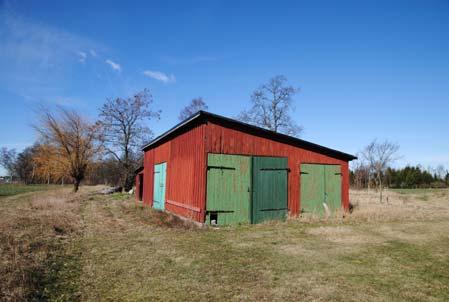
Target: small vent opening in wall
{"type": "Point", "coordinates": [213, 218]}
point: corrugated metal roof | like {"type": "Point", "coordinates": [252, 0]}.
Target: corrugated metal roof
{"type": "Point", "coordinates": [204, 116]}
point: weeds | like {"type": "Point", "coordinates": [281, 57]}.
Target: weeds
{"type": "Point", "coordinates": [108, 248]}
{"type": "Point", "coordinates": [14, 189]}
{"type": "Point", "coordinates": [34, 233]}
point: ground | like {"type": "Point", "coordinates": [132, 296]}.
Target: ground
{"type": "Point", "coordinates": [60, 246]}
{"type": "Point", "coordinates": [13, 189]}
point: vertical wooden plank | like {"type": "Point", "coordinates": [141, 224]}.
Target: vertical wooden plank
{"type": "Point", "coordinates": [270, 188]}
{"type": "Point", "coordinates": [333, 186]}
{"type": "Point", "coordinates": [312, 189]}
{"type": "Point", "coordinates": [228, 189]}
{"type": "Point", "coordinates": [163, 183]}
{"type": "Point", "coordinates": [148, 176]}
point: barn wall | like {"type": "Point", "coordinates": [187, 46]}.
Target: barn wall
{"type": "Point", "coordinates": [138, 185]}
{"type": "Point", "coordinates": [220, 139]}
{"type": "Point", "coordinates": [186, 173]}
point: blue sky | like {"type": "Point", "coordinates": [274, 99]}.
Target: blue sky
{"type": "Point", "coordinates": [366, 69]}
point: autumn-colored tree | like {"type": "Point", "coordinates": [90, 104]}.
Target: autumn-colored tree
{"type": "Point", "coordinates": [49, 165]}
{"type": "Point", "coordinates": [71, 139]}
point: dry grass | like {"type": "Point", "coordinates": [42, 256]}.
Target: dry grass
{"type": "Point", "coordinates": [397, 206]}
{"type": "Point", "coordinates": [33, 228]}
{"type": "Point", "coordinates": [113, 250]}
{"type": "Point", "coordinates": [133, 254]}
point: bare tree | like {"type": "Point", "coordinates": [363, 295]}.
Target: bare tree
{"type": "Point", "coordinates": [72, 139]}
{"type": "Point", "coordinates": [360, 172]}
{"type": "Point", "coordinates": [272, 105]}
{"type": "Point", "coordinates": [8, 159]}
{"type": "Point", "coordinates": [124, 132]}
{"type": "Point", "coordinates": [195, 105]}
{"type": "Point", "coordinates": [446, 179]}
{"type": "Point", "coordinates": [379, 156]}
{"type": "Point", "coordinates": [24, 166]}
{"type": "Point", "coordinates": [440, 172]}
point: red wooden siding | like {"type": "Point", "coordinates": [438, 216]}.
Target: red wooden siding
{"type": "Point", "coordinates": [230, 141]}
{"type": "Point", "coordinates": [138, 185]}
{"type": "Point", "coordinates": [186, 168]}
{"type": "Point", "coordinates": [186, 158]}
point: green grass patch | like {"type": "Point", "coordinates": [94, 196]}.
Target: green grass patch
{"type": "Point", "coordinates": [60, 281]}
{"type": "Point", "coordinates": [397, 268]}
{"type": "Point", "coordinates": [14, 189]}
{"type": "Point", "coordinates": [120, 196]}
{"type": "Point", "coordinates": [130, 255]}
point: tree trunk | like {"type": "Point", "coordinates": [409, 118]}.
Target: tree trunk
{"type": "Point", "coordinates": [76, 185]}
{"type": "Point", "coordinates": [369, 181]}
{"type": "Point", "coordinates": [380, 189]}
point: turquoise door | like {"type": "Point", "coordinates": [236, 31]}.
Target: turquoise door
{"type": "Point", "coordinates": [160, 173]}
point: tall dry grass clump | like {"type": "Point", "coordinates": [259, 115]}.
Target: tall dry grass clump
{"type": "Point", "coordinates": [32, 227]}
{"type": "Point", "coordinates": [396, 206]}
{"type": "Point", "coordinates": [366, 207]}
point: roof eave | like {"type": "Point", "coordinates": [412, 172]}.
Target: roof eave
{"type": "Point", "coordinates": [276, 136]}
{"type": "Point", "coordinates": [173, 129]}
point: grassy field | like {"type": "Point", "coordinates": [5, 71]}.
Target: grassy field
{"type": "Point", "coordinates": [13, 189]}
{"type": "Point", "coordinates": [418, 191]}
{"type": "Point", "coordinates": [89, 247]}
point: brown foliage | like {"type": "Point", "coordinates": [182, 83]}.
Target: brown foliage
{"type": "Point", "coordinates": [49, 165]}
{"type": "Point", "coordinates": [71, 141]}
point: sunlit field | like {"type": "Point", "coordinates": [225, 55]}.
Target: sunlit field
{"type": "Point", "coordinates": [90, 247]}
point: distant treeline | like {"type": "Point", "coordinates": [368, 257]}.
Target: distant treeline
{"type": "Point", "coordinates": [408, 177]}
{"type": "Point", "coordinates": [38, 164]}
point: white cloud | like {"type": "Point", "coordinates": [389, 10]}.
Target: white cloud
{"type": "Point", "coordinates": [36, 59]}
{"type": "Point", "coordinates": [114, 65]}
{"type": "Point", "coordinates": [160, 76]}
{"type": "Point", "coordinates": [82, 57]}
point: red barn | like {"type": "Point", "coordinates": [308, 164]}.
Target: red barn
{"type": "Point", "coordinates": [217, 170]}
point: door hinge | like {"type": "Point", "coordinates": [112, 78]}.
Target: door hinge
{"type": "Point", "coordinates": [275, 169]}
{"type": "Point", "coordinates": [220, 167]}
